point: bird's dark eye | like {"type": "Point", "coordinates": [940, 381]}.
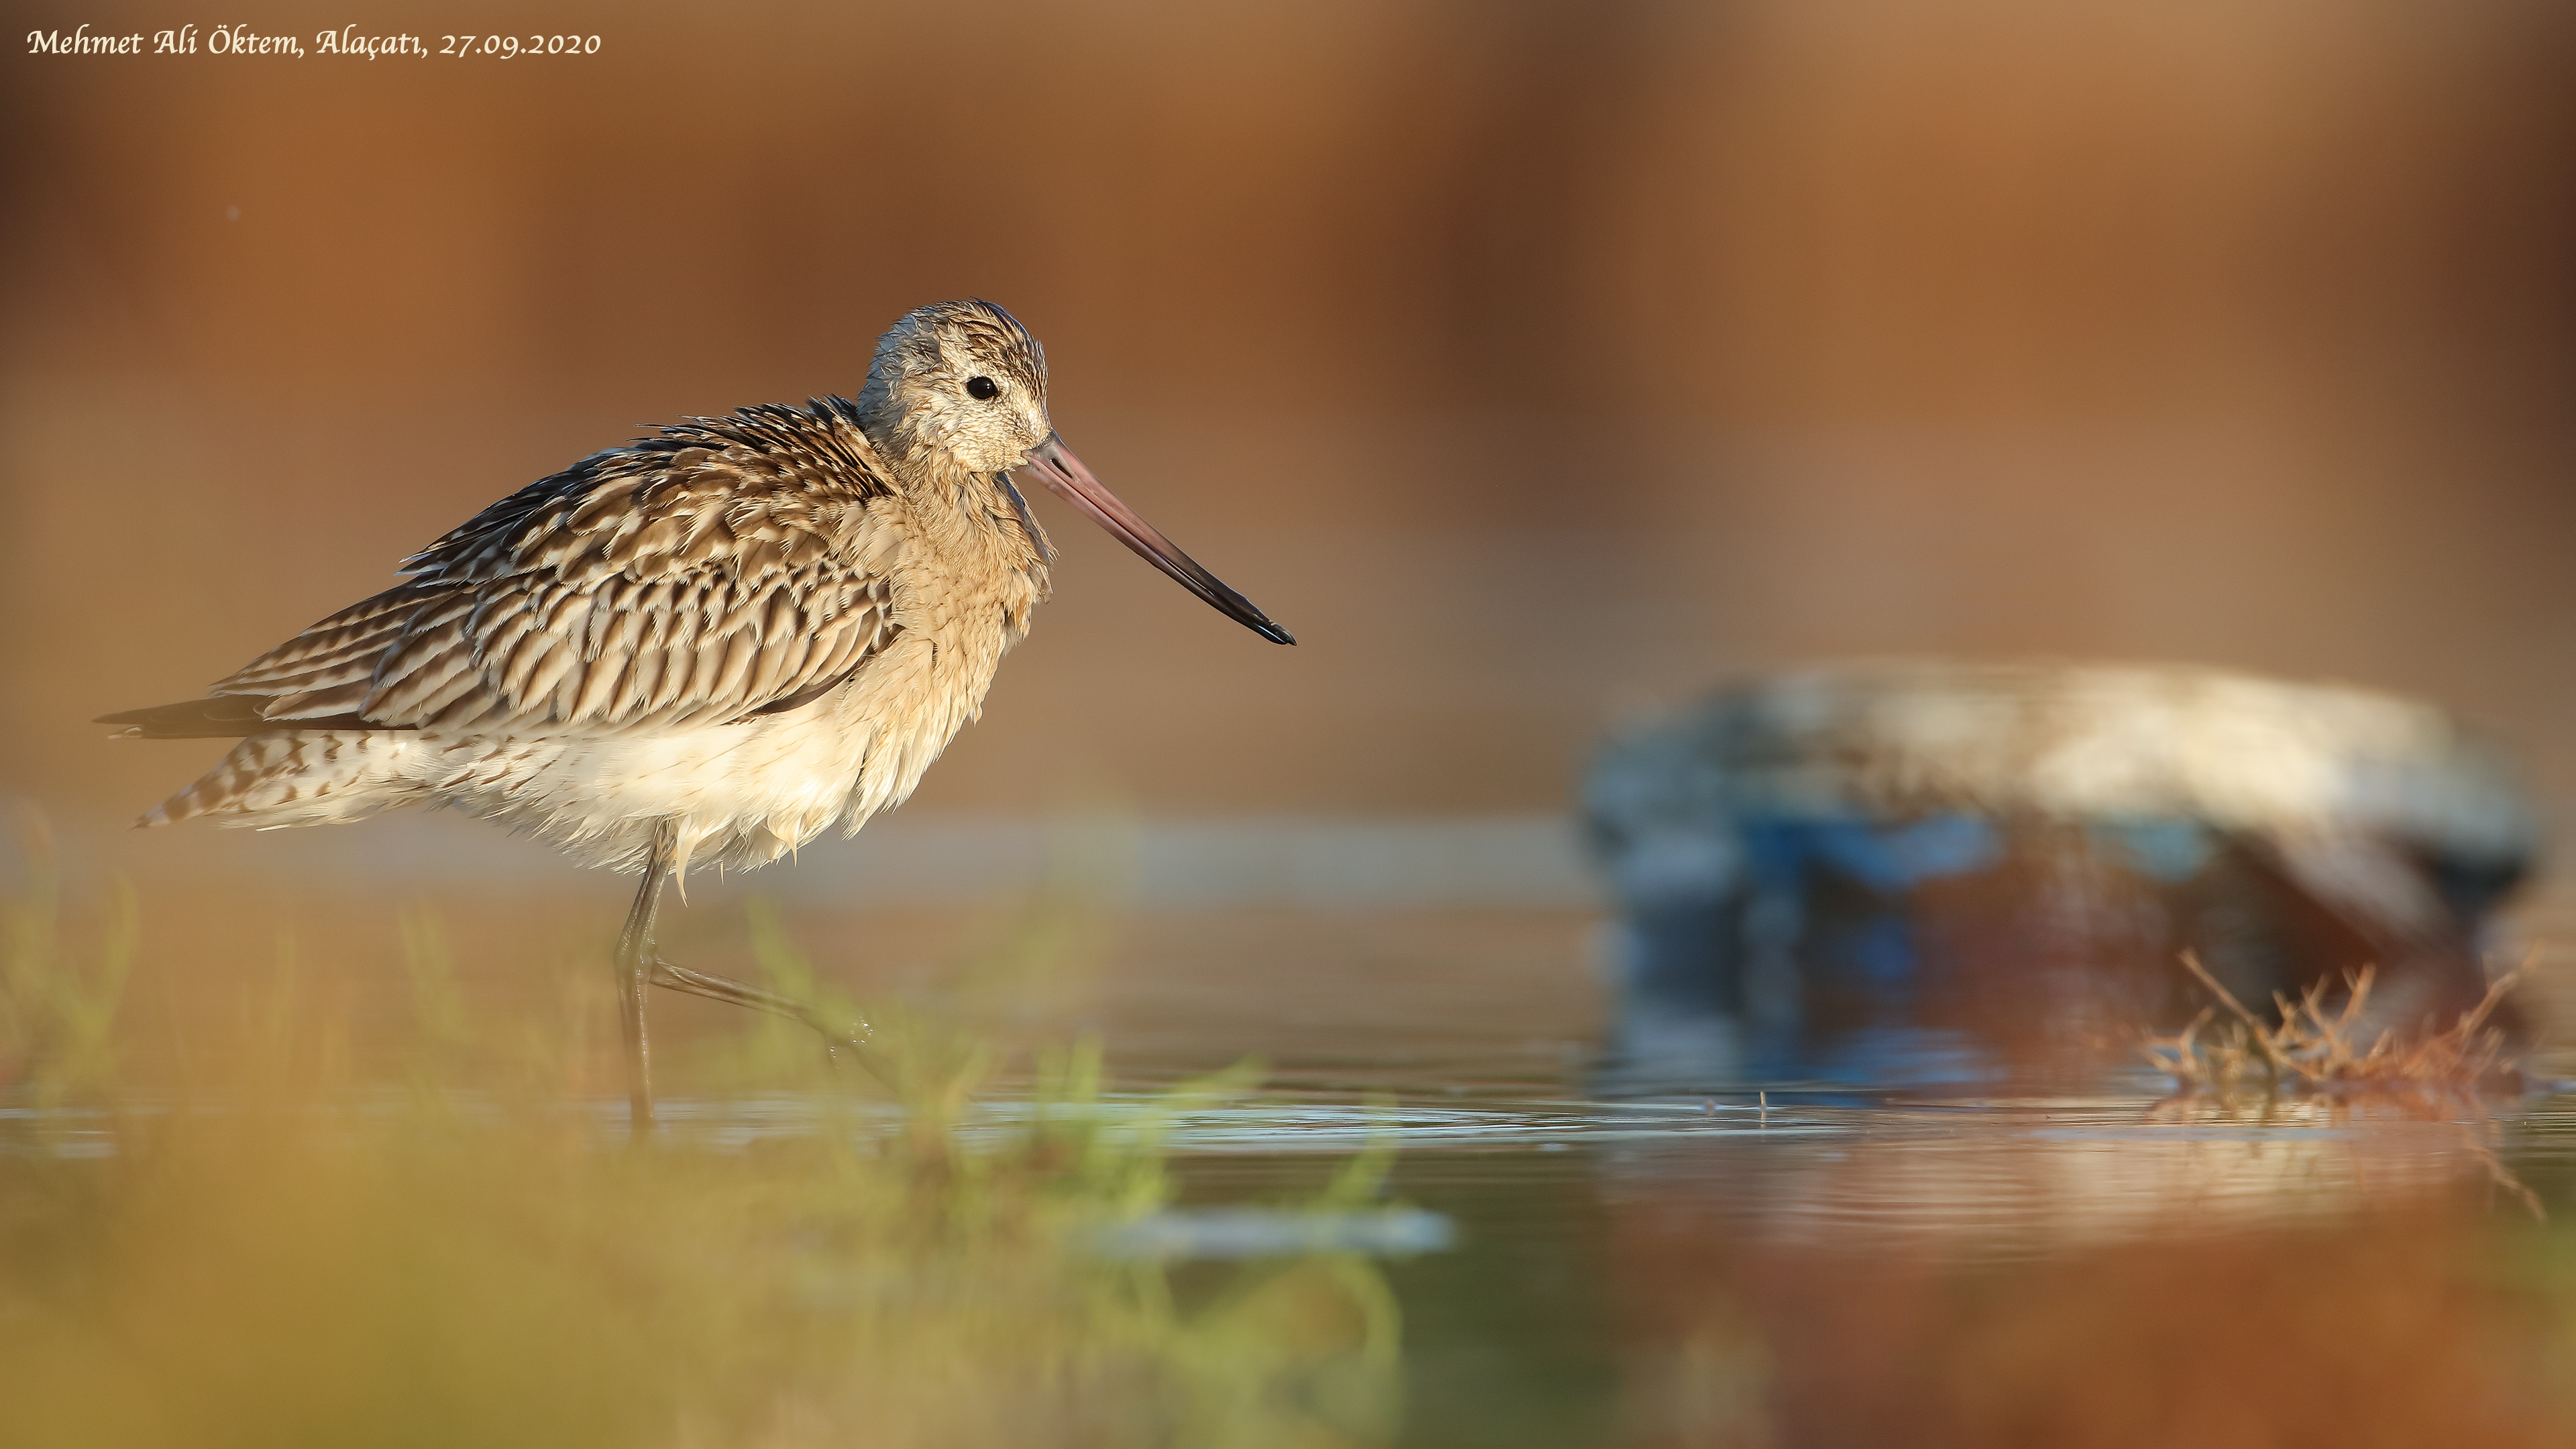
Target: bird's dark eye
{"type": "Point", "coordinates": [983, 389]}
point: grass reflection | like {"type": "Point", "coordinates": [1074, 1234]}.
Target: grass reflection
{"type": "Point", "coordinates": [295, 1247]}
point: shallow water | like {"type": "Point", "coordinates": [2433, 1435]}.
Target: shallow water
{"type": "Point", "coordinates": [2095, 1270]}
{"type": "Point", "coordinates": [1790, 1264]}
{"type": "Point", "coordinates": [1809, 1265]}
{"type": "Point", "coordinates": [1813, 1265]}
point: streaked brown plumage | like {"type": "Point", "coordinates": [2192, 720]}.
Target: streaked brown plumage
{"type": "Point", "coordinates": [708, 646]}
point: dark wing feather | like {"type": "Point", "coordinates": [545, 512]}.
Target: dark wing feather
{"type": "Point", "coordinates": [724, 568]}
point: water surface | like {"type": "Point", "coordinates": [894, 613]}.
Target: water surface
{"type": "Point", "coordinates": [1525, 1260]}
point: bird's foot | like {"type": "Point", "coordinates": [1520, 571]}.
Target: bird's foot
{"type": "Point", "coordinates": [855, 1039]}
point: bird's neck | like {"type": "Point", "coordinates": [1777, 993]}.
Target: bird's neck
{"type": "Point", "coordinates": [971, 518]}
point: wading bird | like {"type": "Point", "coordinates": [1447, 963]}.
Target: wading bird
{"type": "Point", "coordinates": [708, 646]}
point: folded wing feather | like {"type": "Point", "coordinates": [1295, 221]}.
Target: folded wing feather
{"type": "Point", "coordinates": [725, 568]}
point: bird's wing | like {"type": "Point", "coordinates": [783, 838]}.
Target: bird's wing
{"type": "Point", "coordinates": [725, 568]}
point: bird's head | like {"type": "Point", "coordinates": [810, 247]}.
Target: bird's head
{"type": "Point", "coordinates": [957, 397]}
{"type": "Point", "coordinates": [961, 382]}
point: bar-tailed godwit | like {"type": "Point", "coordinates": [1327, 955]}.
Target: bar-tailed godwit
{"type": "Point", "coordinates": [707, 646]}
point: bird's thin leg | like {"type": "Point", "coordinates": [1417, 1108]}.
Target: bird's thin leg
{"type": "Point", "coordinates": [854, 1036]}
{"type": "Point", "coordinates": [634, 968]}
{"type": "Point", "coordinates": [640, 963]}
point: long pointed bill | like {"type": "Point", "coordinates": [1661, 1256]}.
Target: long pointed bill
{"type": "Point", "coordinates": [1063, 472]}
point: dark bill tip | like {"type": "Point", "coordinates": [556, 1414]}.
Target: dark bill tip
{"type": "Point", "coordinates": [1064, 473]}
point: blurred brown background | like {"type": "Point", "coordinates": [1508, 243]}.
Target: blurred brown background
{"type": "Point", "coordinates": [1534, 362]}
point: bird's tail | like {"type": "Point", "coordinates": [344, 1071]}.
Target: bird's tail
{"type": "Point", "coordinates": [225, 716]}
{"type": "Point", "coordinates": [296, 777]}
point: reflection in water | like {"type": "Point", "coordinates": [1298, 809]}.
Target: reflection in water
{"type": "Point", "coordinates": [289, 1239]}
{"type": "Point", "coordinates": [2075, 1275]}
{"type": "Point", "coordinates": [2429, 1327]}
{"type": "Point", "coordinates": [2005, 1182]}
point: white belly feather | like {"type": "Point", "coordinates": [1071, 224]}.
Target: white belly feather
{"type": "Point", "coordinates": [739, 795]}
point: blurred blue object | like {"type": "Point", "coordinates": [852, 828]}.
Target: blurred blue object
{"type": "Point", "coordinates": [1924, 871]}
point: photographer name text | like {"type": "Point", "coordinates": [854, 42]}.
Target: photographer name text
{"type": "Point", "coordinates": [345, 41]}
